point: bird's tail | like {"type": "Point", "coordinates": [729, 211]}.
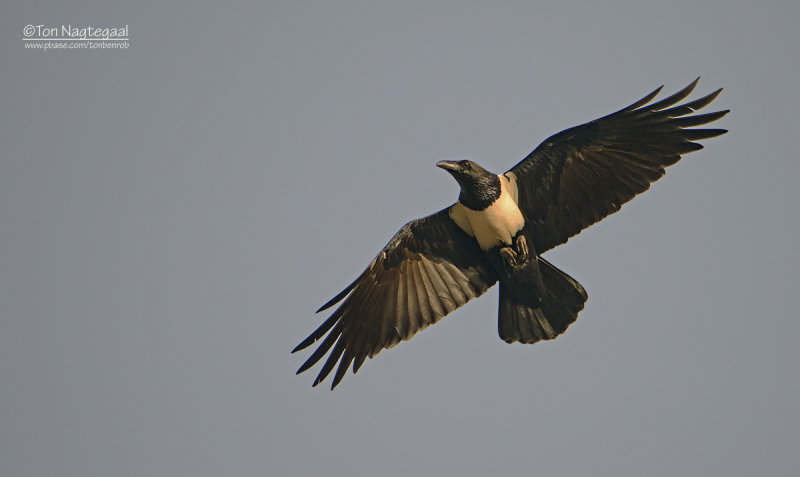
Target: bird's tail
{"type": "Point", "coordinates": [526, 323]}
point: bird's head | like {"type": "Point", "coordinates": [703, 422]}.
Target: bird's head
{"type": "Point", "coordinates": [479, 187]}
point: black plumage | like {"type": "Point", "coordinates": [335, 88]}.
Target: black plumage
{"type": "Point", "coordinates": [500, 226]}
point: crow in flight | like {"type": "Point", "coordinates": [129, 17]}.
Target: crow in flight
{"type": "Point", "coordinates": [500, 226]}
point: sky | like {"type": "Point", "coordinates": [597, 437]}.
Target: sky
{"type": "Point", "coordinates": [174, 212]}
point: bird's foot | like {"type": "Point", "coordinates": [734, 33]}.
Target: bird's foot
{"type": "Point", "coordinates": [509, 257]}
{"type": "Point", "coordinates": [515, 255]}
{"type": "Point", "coordinates": [521, 246]}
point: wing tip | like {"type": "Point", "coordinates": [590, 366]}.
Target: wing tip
{"type": "Point", "coordinates": [327, 305]}
{"type": "Point", "coordinates": [319, 380]}
{"type": "Point", "coordinates": [304, 367]}
{"type": "Point", "coordinates": [304, 344]}
{"type": "Point", "coordinates": [646, 99]}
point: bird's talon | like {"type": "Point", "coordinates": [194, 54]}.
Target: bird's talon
{"type": "Point", "coordinates": [509, 256]}
{"type": "Point", "coordinates": [522, 249]}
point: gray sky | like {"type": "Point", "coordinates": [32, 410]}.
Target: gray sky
{"type": "Point", "coordinates": [173, 214]}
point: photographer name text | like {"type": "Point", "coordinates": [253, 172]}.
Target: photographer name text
{"type": "Point", "coordinates": [69, 32]}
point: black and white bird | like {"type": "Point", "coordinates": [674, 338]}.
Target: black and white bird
{"type": "Point", "coordinates": [500, 226]}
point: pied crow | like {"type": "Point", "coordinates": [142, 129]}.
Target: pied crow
{"type": "Point", "coordinates": [500, 226]}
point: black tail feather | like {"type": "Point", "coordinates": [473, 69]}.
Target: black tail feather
{"type": "Point", "coordinates": [521, 322]}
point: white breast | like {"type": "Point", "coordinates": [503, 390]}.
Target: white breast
{"type": "Point", "coordinates": [494, 225]}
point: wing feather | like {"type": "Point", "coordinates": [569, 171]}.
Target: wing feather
{"type": "Point", "coordinates": [428, 314]}
{"type": "Point", "coordinates": [331, 361]}
{"type": "Point", "coordinates": [411, 322]}
{"type": "Point", "coordinates": [442, 291]}
{"type": "Point", "coordinates": [436, 307]}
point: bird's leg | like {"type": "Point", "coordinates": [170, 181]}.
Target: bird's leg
{"type": "Point", "coordinates": [521, 246]}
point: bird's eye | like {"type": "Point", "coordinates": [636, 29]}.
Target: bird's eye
{"type": "Point", "coordinates": [466, 165]}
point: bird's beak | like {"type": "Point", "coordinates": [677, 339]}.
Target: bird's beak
{"type": "Point", "coordinates": [450, 166]}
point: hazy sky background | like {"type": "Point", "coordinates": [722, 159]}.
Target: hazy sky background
{"type": "Point", "coordinates": [172, 215]}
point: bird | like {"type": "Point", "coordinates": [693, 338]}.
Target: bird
{"type": "Point", "coordinates": [499, 228]}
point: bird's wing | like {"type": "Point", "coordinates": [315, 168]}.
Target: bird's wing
{"type": "Point", "coordinates": [428, 269]}
{"type": "Point", "coordinates": [582, 174]}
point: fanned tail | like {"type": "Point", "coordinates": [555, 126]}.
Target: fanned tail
{"type": "Point", "coordinates": [522, 322]}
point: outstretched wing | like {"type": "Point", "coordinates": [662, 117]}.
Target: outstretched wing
{"type": "Point", "coordinates": [582, 174]}
{"type": "Point", "coordinates": [428, 269]}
